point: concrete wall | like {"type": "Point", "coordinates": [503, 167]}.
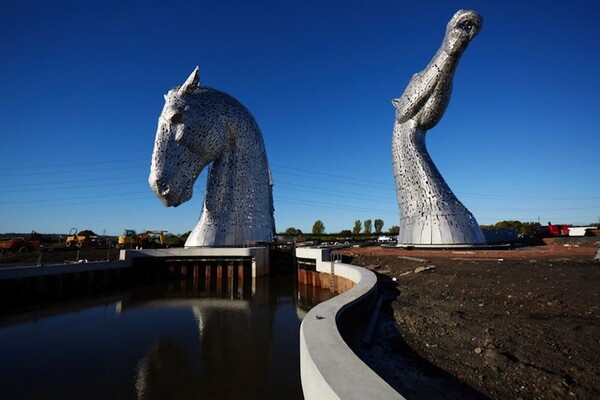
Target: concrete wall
{"type": "Point", "coordinates": [319, 254]}
{"type": "Point", "coordinates": [329, 369]}
{"type": "Point", "coordinates": [260, 255]}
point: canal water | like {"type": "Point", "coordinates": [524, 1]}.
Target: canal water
{"type": "Point", "coordinates": [173, 340]}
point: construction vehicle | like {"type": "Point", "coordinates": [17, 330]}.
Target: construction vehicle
{"type": "Point", "coordinates": [147, 239]}
{"type": "Point", "coordinates": [21, 244]}
{"type": "Point", "coordinates": [74, 239]}
{"type": "Point", "coordinates": [552, 231]}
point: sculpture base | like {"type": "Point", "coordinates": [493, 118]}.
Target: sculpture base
{"type": "Point", "coordinates": [258, 256]}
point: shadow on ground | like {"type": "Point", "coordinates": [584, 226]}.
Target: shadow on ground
{"type": "Point", "coordinates": [390, 357]}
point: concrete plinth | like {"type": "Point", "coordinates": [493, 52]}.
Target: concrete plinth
{"type": "Point", "coordinates": [258, 255]}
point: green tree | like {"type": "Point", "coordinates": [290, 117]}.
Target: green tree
{"type": "Point", "coordinates": [346, 233]}
{"type": "Point", "coordinates": [524, 228]}
{"type": "Point", "coordinates": [292, 232]}
{"type": "Point", "coordinates": [378, 225]}
{"type": "Point", "coordinates": [86, 232]}
{"type": "Point", "coordinates": [394, 230]}
{"type": "Point", "coordinates": [318, 228]}
{"type": "Point", "coordinates": [528, 228]}
{"type": "Point", "coordinates": [184, 237]}
{"type": "Point", "coordinates": [508, 224]}
{"type": "Point", "coordinates": [368, 225]}
{"type": "Point", "coordinates": [357, 227]}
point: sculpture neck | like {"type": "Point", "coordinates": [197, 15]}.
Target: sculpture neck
{"type": "Point", "coordinates": [232, 180]}
{"type": "Point", "coordinates": [428, 93]}
{"type": "Point", "coordinates": [412, 162]}
{"type": "Point", "coordinates": [443, 64]}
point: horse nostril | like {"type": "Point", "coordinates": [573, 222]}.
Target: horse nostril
{"type": "Point", "coordinates": [177, 118]}
{"type": "Point", "coordinates": [163, 187]}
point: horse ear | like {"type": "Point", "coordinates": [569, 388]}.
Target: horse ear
{"type": "Point", "coordinates": [191, 82]}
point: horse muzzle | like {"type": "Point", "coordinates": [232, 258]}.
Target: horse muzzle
{"type": "Point", "coordinates": [165, 192]}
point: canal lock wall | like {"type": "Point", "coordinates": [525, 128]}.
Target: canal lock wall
{"type": "Point", "coordinates": [224, 271]}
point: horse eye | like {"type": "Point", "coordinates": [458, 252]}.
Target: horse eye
{"type": "Point", "coordinates": [177, 118]}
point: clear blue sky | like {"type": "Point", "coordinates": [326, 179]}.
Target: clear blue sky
{"type": "Point", "coordinates": [82, 86]}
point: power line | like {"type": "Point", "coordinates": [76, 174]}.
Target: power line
{"type": "Point", "coordinates": [536, 209]}
{"type": "Point", "coordinates": [306, 173]}
{"type": "Point", "coordinates": [73, 164]}
{"type": "Point", "coordinates": [360, 184]}
{"type": "Point", "coordinates": [58, 187]}
{"type": "Point", "coordinates": [327, 174]}
{"type": "Point", "coordinates": [79, 203]}
{"type": "Point", "coordinates": [352, 181]}
{"type": "Point", "coordinates": [336, 192]}
{"type": "Point", "coordinates": [73, 181]}
{"type": "Point", "coordinates": [87, 170]}
{"type": "Point", "coordinates": [71, 198]}
{"type": "Point", "coordinates": [526, 197]}
{"type": "Point", "coordinates": [321, 204]}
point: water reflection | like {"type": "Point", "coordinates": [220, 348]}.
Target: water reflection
{"type": "Point", "coordinates": [168, 341]}
{"type": "Point", "coordinates": [165, 372]}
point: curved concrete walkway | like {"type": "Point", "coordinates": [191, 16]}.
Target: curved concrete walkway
{"type": "Point", "coordinates": [329, 369]}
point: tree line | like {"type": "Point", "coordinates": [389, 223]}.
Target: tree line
{"type": "Point", "coordinates": [375, 227]}
{"type": "Point", "coordinates": [365, 228]}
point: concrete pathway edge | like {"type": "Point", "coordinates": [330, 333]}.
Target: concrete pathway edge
{"type": "Point", "coordinates": [329, 369]}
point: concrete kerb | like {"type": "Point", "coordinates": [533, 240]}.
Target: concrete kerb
{"type": "Point", "coordinates": [329, 369]}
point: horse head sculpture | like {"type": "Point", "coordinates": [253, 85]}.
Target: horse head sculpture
{"type": "Point", "coordinates": [430, 213]}
{"type": "Point", "coordinates": [199, 126]}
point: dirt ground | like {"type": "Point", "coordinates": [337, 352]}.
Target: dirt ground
{"type": "Point", "coordinates": [510, 324]}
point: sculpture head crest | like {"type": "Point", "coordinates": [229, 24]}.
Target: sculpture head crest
{"type": "Point", "coordinates": [190, 83]}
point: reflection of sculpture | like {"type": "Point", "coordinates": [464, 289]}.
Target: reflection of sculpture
{"type": "Point", "coordinates": [199, 125]}
{"type": "Point", "coordinates": [429, 212]}
{"type": "Point", "coordinates": [165, 373]}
